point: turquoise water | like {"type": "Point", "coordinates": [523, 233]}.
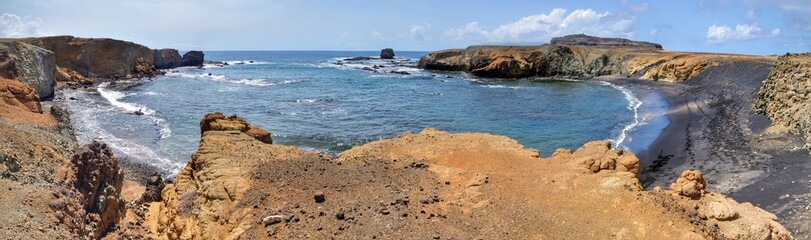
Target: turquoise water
{"type": "Point", "coordinates": [317, 100]}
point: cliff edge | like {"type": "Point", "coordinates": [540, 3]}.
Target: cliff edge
{"type": "Point", "coordinates": [435, 185]}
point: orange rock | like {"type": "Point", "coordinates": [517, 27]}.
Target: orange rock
{"type": "Point", "coordinates": [691, 183]}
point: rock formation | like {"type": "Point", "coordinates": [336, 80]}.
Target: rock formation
{"type": "Point", "coordinates": [29, 64]}
{"type": "Point", "coordinates": [94, 57]}
{"type": "Point", "coordinates": [784, 96]}
{"type": "Point", "coordinates": [154, 187]}
{"type": "Point", "coordinates": [387, 53]}
{"type": "Point", "coordinates": [89, 201]}
{"type": "Point", "coordinates": [431, 185]}
{"type": "Point", "coordinates": [193, 58]}
{"type": "Point", "coordinates": [218, 122]}
{"type": "Point", "coordinates": [167, 58]}
{"type": "Point", "coordinates": [586, 40]}
{"type": "Point", "coordinates": [578, 62]}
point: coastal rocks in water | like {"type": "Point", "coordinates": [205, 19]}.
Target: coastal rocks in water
{"type": "Point", "coordinates": [94, 57]}
{"type": "Point", "coordinates": [29, 64]}
{"type": "Point", "coordinates": [89, 199]}
{"type": "Point", "coordinates": [218, 122]}
{"type": "Point", "coordinates": [784, 95]}
{"type": "Point", "coordinates": [167, 58]}
{"type": "Point", "coordinates": [586, 40]}
{"type": "Point", "coordinates": [691, 183]}
{"type": "Point", "coordinates": [387, 53]}
{"type": "Point", "coordinates": [193, 58]}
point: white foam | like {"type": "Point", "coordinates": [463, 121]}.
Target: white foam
{"type": "Point", "coordinates": [221, 78]}
{"type": "Point", "coordinates": [114, 98]}
{"type": "Point", "coordinates": [633, 105]}
{"type": "Point", "coordinates": [246, 62]}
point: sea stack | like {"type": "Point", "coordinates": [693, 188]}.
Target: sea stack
{"type": "Point", "coordinates": [193, 58]}
{"type": "Point", "coordinates": [387, 53]}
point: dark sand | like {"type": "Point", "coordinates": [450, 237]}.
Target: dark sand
{"type": "Point", "coordinates": [714, 129]}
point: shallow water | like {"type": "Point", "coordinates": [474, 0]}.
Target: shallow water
{"type": "Point", "coordinates": [317, 100]}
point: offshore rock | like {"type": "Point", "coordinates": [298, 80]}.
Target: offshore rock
{"type": "Point", "coordinates": [387, 53]}
{"type": "Point", "coordinates": [29, 64]}
{"type": "Point", "coordinates": [586, 40]}
{"type": "Point", "coordinates": [193, 58]}
{"type": "Point", "coordinates": [167, 58]}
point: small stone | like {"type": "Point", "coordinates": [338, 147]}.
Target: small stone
{"type": "Point", "coordinates": [436, 236]}
{"type": "Point", "coordinates": [319, 197]}
{"type": "Point", "coordinates": [273, 219]}
{"type": "Point", "coordinates": [340, 216]}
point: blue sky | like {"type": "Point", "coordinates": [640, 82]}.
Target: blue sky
{"type": "Point", "coordinates": [732, 26]}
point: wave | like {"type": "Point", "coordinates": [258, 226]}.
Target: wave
{"type": "Point", "coordinates": [114, 98]}
{"type": "Point", "coordinates": [222, 78]}
{"type": "Point", "coordinates": [633, 105]}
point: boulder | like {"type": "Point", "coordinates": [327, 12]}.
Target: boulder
{"type": "Point", "coordinates": [193, 58]}
{"type": "Point", "coordinates": [167, 58]}
{"type": "Point", "coordinates": [691, 184]}
{"type": "Point", "coordinates": [387, 53]}
{"type": "Point", "coordinates": [29, 64]}
{"type": "Point", "coordinates": [153, 189]}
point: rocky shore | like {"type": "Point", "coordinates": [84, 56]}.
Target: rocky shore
{"type": "Point", "coordinates": [432, 184]}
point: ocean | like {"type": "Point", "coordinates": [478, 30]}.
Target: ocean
{"type": "Point", "coordinates": [319, 100]}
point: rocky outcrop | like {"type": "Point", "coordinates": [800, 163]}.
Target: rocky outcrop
{"type": "Point", "coordinates": [387, 53]}
{"type": "Point", "coordinates": [592, 41]}
{"type": "Point", "coordinates": [29, 64]}
{"type": "Point", "coordinates": [578, 62]}
{"type": "Point", "coordinates": [691, 183]}
{"type": "Point", "coordinates": [193, 58]}
{"type": "Point", "coordinates": [430, 185]}
{"type": "Point", "coordinates": [218, 122]}
{"type": "Point", "coordinates": [167, 58]}
{"type": "Point", "coordinates": [784, 96]}
{"type": "Point", "coordinates": [154, 187]}
{"type": "Point", "coordinates": [94, 57]}
{"type": "Point", "coordinates": [17, 95]}
{"type": "Point", "coordinates": [89, 201]}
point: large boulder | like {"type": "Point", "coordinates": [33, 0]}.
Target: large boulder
{"type": "Point", "coordinates": [167, 58]}
{"type": "Point", "coordinates": [29, 64]}
{"type": "Point", "coordinates": [387, 53]}
{"type": "Point", "coordinates": [94, 57]}
{"type": "Point", "coordinates": [218, 122]}
{"type": "Point", "coordinates": [691, 184]}
{"type": "Point", "coordinates": [193, 58]}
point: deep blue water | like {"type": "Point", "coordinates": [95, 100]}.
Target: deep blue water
{"type": "Point", "coordinates": [317, 100]}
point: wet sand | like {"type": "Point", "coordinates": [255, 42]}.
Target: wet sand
{"type": "Point", "coordinates": [714, 129]}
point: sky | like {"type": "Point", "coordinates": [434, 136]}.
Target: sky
{"type": "Point", "coordinates": [759, 27]}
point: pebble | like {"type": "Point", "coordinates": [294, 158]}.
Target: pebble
{"type": "Point", "coordinates": [340, 216]}
{"type": "Point", "coordinates": [273, 219]}
{"type": "Point", "coordinates": [319, 197]}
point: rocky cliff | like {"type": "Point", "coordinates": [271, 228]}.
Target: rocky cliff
{"type": "Point", "coordinates": [578, 62]}
{"type": "Point", "coordinates": [167, 58]}
{"type": "Point", "coordinates": [784, 96]}
{"type": "Point", "coordinates": [435, 185]}
{"type": "Point", "coordinates": [29, 64]}
{"type": "Point", "coordinates": [586, 40]}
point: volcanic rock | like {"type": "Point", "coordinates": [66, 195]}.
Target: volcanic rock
{"type": "Point", "coordinates": [387, 53]}
{"type": "Point", "coordinates": [691, 183]}
{"type": "Point", "coordinates": [167, 58]}
{"type": "Point", "coordinates": [154, 187]}
{"type": "Point", "coordinates": [193, 58]}
{"type": "Point", "coordinates": [218, 122]}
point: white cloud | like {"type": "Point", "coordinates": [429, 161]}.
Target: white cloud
{"type": "Point", "coordinates": [719, 34]}
{"type": "Point", "coordinates": [377, 36]}
{"type": "Point", "coordinates": [14, 26]}
{"type": "Point", "coordinates": [469, 30]}
{"type": "Point", "coordinates": [542, 27]}
{"type": "Point", "coordinates": [419, 31]}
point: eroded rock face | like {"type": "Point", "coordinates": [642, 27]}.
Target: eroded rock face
{"type": "Point", "coordinates": [14, 94]}
{"type": "Point", "coordinates": [218, 122]}
{"type": "Point", "coordinates": [579, 62]}
{"type": "Point", "coordinates": [387, 53]}
{"type": "Point", "coordinates": [691, 183]}
{"type": "Point", "coordinates": [586, 40]}
{"type": "Point", "coordinates": [89, 201]}
{"type": "Point", "coordinates": [784, 96]}
{"type": "Point", "coordinates": [94, 57]}
{"type": "Point", "coordinates": [167, 58]}
{"type": "Point", "coordinates": [598, 155]}
{"type": "Point", "coordinates": [193, 58]}
{"type": "Point", "coordinates": [153, 190]}
{"type": "Point", "coordinates": [29, 64]}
